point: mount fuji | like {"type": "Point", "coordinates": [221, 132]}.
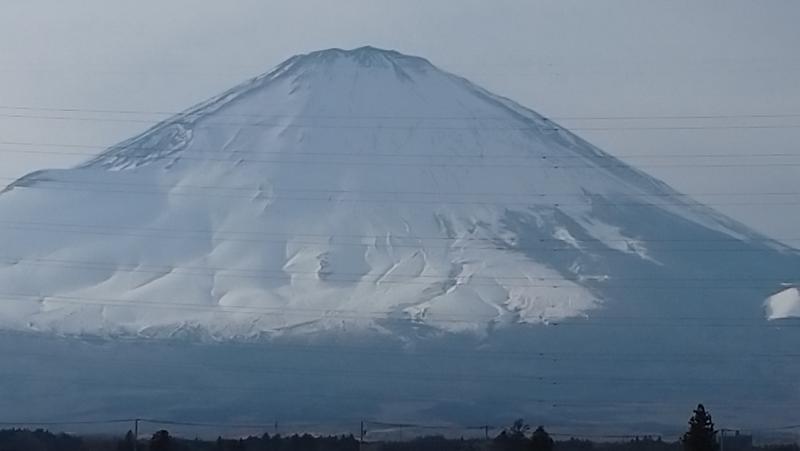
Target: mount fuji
{"type": "Point", "coordinates": [365, 209]}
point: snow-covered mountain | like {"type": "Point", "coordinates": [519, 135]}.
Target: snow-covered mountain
{"type": "Point", "coordinates": [369, 193]}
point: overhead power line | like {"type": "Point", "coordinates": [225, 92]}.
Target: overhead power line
{"type": "Point", "coordinates": [471, 155]}
{"type": "Point", "coordinates": [265, 426]}
{"type": "Point", "coordinates": [550, 380]}
{"type": "Point", "coordinates": [268, 425]}
{"type": "Point", "coordinates": [556, 403]}
{"type": "Point", "coordinates": [533, 194]}
{"type": "Point", "coordinates": [264, 124]}
{"type": "Point", "coordinates": [122, 230]}
{"type": "Point", "coordinates": [65, 423]}
{"type": "Point", "coordinates": [256, 272]}
{"type": "Point", "coordinates": [546, 363]}
{"type": "Point", "coordinates": [541, 164]}
{"type": "Point", "coordinates": [386, 316]}
{"type": "Point", "coordinates": [388, 279]}
{"type": "Point", "coordinates": [478, 352]}
{"type": "Point", "coordinates": [46, 185]}
{"type": "Point", "coordinates": [544, 375]}
{"type": "Point", "coordinates": [372, 238]}
{"type": "Point", "coordinates": [508, 247]}
{"type": "Point", "coordinates": [412, 117]}
{"type": "Point", "coordinates": [482, 163]}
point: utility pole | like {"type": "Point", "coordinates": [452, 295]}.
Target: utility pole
{"type": "Point", "coordinates": [135, 434]}
{"type": "Point", "coordinates": [361, 435]}
{"type": "Point", "coordinates": [486, 432]}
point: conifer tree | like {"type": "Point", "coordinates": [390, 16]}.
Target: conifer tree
{"type": "Point", "coordinates": [161, 441]}
{"type": "Point", "coordinates": [701, 435]}
{"type": "Point", "coordinates": [127, 443]}
{"type": "Point", "coordinates": [541, 440]}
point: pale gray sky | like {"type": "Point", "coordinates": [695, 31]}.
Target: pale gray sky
{"type": "Point", "coordinates": [559, 57]}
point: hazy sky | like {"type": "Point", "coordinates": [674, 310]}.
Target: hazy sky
{"type": "Point", "coordinates": [562, 58]}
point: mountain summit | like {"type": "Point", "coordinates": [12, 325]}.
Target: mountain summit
{"type": "Point", "coordinates": [439, 252]}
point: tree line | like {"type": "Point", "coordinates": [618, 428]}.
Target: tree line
{"type": "Point", "coordinates": [701, 435]}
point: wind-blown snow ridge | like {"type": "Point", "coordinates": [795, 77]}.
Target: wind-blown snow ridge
{"type": "Point", "coordinates": [137, 256]}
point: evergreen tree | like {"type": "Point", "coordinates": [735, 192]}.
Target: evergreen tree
{"type": "Point", "coordinates": [701, 435]}
{"type": "Point", "coordinates": [161, 441]}
{"type": "Point", "coordinates": [541, 440]}
{"type": "Point", "coordinates": [127, 443]}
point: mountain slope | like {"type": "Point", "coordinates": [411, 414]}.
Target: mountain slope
{"type": "Point", "coordinates": [361, 216]}
{"type": "Point", "coordinates": [343, 189]}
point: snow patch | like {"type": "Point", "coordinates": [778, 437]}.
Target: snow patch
{"type": "Point", "coordinates": [784, 304]}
